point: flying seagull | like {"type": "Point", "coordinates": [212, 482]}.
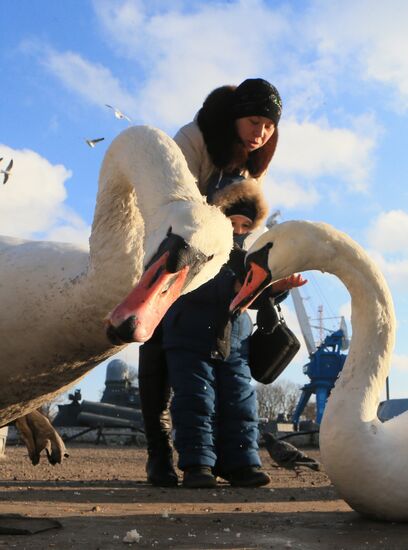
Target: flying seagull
{"type": "Point", "coordinates": [118, 114]}
{"type": "Point", "coordinates": [272, 220]}
{"type": "Point", "coordinates": [7, 171]}
{"type": "Point", "coordinates": [287, 455]}
{"type": "Point", "coordinates": [93, 142]}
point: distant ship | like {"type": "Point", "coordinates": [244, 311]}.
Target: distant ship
{"type": "Point", "coordinates": [119, 406]}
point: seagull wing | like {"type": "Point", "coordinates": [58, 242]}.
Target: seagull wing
{"type": "Point", "coordinates": [93, 142]}
{"type": "Point", "coordinates": [118, 113]}
{"type": "Point", "coordinates": [10, 166]}
{"type": "Point", "coordinates": [122, 115]}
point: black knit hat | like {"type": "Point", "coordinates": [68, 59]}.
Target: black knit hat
{"type": "Point", "coordinates": [243, 208]}
{"type": "Point", "coordinates": [257, 97]}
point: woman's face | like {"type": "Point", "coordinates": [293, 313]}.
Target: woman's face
{"type": "Point", "coordinates": [254, 131]}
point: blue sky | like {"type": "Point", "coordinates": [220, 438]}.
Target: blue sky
{"type": "Point", "coordinates": [342, 71]}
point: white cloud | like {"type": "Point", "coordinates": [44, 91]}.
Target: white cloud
{"type": "Point", "coordinates": [94, 82]}
{"type": "Point", "coordinates": [185, 54]}
{"type": "Point", "coordinates": [287, 193]}
{"type": "Point", "coordinates": [186, 49]}
{"type": "Point", "coordinates": [369, 36]}
{"type": "Point", "coordinates": [71, 228]}
{"type": "Point", "coordinates": [386, 236]}
{"type": "Point", "coordinates": [30, 197]}
{"type": "Point", "coordinates": [388, 232]}
{"type": "Point", "coordinates": [394, 270]}
{"type": "Point", "coordinates": [32, 200]}
{"type": "Point", "coordinates": [314, 149]}
{"type": "Point", "coordinates": [123, 21]}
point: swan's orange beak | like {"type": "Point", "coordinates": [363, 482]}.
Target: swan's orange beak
{"type": "Point", "coordinates": [135, 319]}
{"type": "Point", "coordinates": [256, 280]}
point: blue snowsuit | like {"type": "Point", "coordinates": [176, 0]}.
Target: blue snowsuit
{"type": "Point", "coordinates": [214, 407]}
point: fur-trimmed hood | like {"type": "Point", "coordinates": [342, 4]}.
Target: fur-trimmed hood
{"type": "Point", "coordinates": [246, 190]}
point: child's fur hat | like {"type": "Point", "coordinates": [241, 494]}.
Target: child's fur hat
{"type": "Point", "coordinates": [248, 190]}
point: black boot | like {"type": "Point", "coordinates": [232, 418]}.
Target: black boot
{"type": "Point", "coordinates": [247, 476]}
{"type": "Point", "coordinates": [154, 400]}
{"type": "Point", "coordinates": [159, 466]}
{"type": "Point", "coordinates": [199, 477]}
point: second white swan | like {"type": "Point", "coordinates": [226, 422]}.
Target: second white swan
{"type": "Point", "coordinates": [365, 459]}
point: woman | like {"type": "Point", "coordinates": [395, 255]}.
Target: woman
{"type": "Point", "coordinates": [233, 136]}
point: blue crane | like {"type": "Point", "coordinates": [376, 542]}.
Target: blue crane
{"type": "Point", "coordinates": [325, 362]}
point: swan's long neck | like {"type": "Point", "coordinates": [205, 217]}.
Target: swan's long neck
{"type": "Point", "coordinates": [143, 176]}
{"type": "Point", "coordinates": [317, 246]}
{"type": "Point", "coordinates": [116, 242]}
{"type": "Point", "coordinates": [363, 377]}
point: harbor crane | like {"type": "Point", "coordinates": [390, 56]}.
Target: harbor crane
{"type": "Point", "coordinates": [325, 360]}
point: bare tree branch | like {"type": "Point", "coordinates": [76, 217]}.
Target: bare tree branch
{"type": "Point", "coordinates": [277, 398]}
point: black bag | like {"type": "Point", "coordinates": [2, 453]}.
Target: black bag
{"type": "Point", "coordinates": [270, 353]}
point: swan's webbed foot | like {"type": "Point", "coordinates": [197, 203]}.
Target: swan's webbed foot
{"type": "Point", "coordinates": [38, 434]}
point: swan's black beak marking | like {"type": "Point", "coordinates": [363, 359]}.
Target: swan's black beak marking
{"type": "Point", "coordinates": [180, 255]}
{"type": "Point", "coordinates": [123, 333]}
{"type": "Point", "coordinates": [166, 275]}
{"type": "Point", "coordinates": [257, 279]}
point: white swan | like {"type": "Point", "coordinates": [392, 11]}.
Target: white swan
{"type": "Point", "coordinates": [365, 459]}
{"type": "Point", "coordinates": [55, 296]}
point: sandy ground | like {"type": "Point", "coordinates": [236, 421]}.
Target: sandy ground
{"type": "Point", "coordinates": [99, 494]}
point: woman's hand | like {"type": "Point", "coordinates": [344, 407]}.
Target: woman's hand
{"type": "Point", "coordinates": [292, 281]}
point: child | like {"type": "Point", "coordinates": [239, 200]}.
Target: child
{"type": "Point", "coordinates": [214, 408]}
